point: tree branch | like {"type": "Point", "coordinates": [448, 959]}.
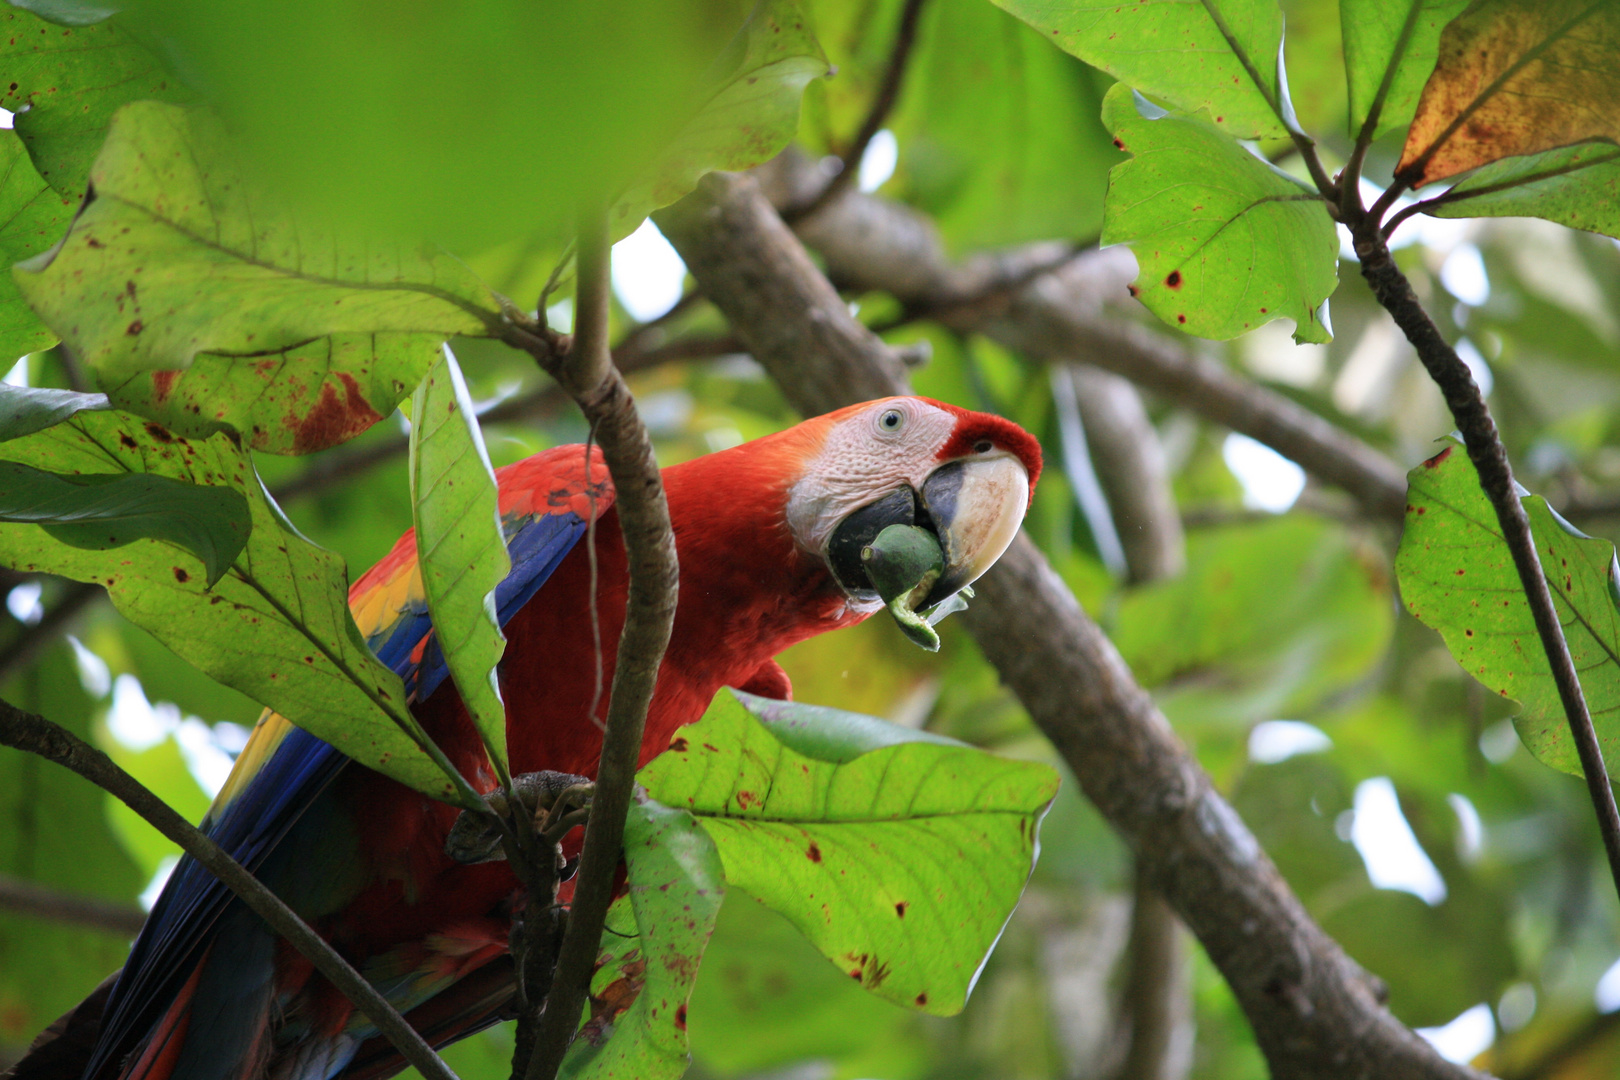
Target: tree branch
{"type": "Point", "coordinates": [1065, 314]}
{"type": "Point", "coordinates": [1485, 450]}
{"type": "Point", "coordinates": [905, 36]}
{"type": "Point", "coordinates": [587, 373]}
{"type": "Point", "coordinates": [43, 902]}
{"type": "Point", "coordinates": [1315, 1013]}
{"type": "Point", "coordinates": [36, 735]}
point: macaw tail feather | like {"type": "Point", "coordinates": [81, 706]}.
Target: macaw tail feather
{"type": "Point", "coordinates": [481, 999]}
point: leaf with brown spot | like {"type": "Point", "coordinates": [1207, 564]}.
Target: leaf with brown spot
{"type": "Point", "coordinates": [853, 816]}
{"type": "Point", "coordinates": [1516, 77]}
{"type": "Point", "coordinates": [637, 1026]}
{"type": "Point", "coordinates": [1497, 642]}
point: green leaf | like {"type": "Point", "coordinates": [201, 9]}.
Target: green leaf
{"type": "Point", "coordinates": [466, 125]}
{"type": "Point", "coordinates": [747, 119]}
{"type": "Point", "coordinates": [65, 84]}
{"type": "Point", "coordinates": [1578, 186]}
{"type": "Point", "coordinates": [277, 624]}
{"type": "Point", "coordinates": [675, 889]}
{"type": "Point", "coordinates": [1389, 50]}
{"type": "Point", "coordinates": [32, 218]}
{"type": "Point", "coordinates": [460, 548]}
{"type": "Point", "coordinates": [66, 12]}
{"type": "Point", "coordinates": [27, 409]}
{"type": "Point", "coordinates": [901, 864]}
{"type": "Point", "coordinates": [1219, 55]}
{"type": "Point", "coordinates": [296, 400]}
{"type": "Point", "coordinates": [177, 255]}
{"type": "Point", "coordinates": [1457, 576]}
{"type": "Point", "coordinates": [1225, 241]}
{"type": "Point", "coordinates": [98, 512]}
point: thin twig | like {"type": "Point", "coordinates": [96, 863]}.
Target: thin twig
{"type": "Point", "coordinates": [588, 374]}
{"type": "Point", "coordinates": [44, 902]}
{"type": "Point", "coordinates": [905, 37]}
{"type": "Point", "coordinates": [36, 735]}
{"type": "Point", "coordinates": [1485, 450]}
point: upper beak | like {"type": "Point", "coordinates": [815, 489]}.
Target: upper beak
{"type": "Point", "coordinates": [976, 506]}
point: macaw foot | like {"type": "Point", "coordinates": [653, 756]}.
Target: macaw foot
{"type": "Point", "coordinates": [555, 802]}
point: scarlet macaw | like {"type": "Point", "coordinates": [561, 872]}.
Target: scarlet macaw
{"type": "Point", "coordinates": [768, 534]}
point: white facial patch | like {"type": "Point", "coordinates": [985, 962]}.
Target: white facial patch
{"type": "Point", "coordinates": [887, 446]}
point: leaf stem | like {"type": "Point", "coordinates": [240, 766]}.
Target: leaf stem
{"type": "Point", "coordinates": [1350, 178]}
{"type": "Point", "coordinates": [588, 374]}
{"type": "Point", "coordinates": [36, 735]}
{"type": "Point", "coordinates": [1485, 450]}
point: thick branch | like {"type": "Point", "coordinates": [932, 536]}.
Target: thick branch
{"type": "Point", "coordinates": [1062, 315]}
{"type": "Point", "coordinates": [36, 735]}
{"type": "Point", "coordinates": [587, 373]}
{"type": "Point", "coordinates": [43, 902]}
{"type": "Point", "coordinates": [1314, 1012]}
{"type": "Point", "coordinates": [1485, 450]}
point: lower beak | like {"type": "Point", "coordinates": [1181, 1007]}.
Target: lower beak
{"type": "Point", "coordinates": [976, 507]}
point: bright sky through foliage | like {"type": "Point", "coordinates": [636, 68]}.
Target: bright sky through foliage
{"type": "Point", "coordinates": [1394, 858]}
{"type": "Point", "coordinates": [1466, 1037]}
{"type": "Point", "coordinates": [647, 274]}
{"type": "Point", "coordinates": [879, 161]}
{"type": "Point", "coordinates": [1272, 741]}
{"type": "Point", "coordinates": [1270, 481]}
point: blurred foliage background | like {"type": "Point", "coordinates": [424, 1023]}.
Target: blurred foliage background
{"type": "Point", "coordinates": [1387, 785]}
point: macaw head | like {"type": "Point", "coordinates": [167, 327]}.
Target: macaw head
{"type": "Point", "coordinates": [966, 477]}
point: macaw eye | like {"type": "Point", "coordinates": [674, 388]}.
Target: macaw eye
{"type": "Point", "coordinates": [892, 420]}
{"type": "Point", "coordinates": [983, 446]}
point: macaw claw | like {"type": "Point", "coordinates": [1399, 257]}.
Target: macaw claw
{"type": "Point", "coordinates": [555, 801]}
{"type": "Point", "coordinates": [903, 562]}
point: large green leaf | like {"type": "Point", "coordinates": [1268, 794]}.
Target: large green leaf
{"type": "Point", "coordinates": [1578, 186]}
{"type": "Point", "coordinates": [27, 409]}
{"type": "Point", "coordinates": [277, 624]}
{"type": "Point", "coordinates": [463, 124]}
{"type": "Point", "coordinates": [1389, 51]}
{"type": "Point", "coordinates": [65, 82]}
{"type": "Point", "coordinates": [1457, 576]}
{"type": "Point", "coordinates": [178, 254]}
{"type": "Point", "coordinates": [1219, 55]}
{"type": "Point", "coordinates": [296, 400]}
{"type": "Point", "coordinates": [101, 511]}
{"type": "Point", "coordinates": [459, 545]}
{"type": "Point", "coordinates": [32, 218]}
{"type": "Point", "coordinates": [1226, 242]}
{"type": "Point", "coordinates": [53, 832]}
{"type": "Point", "coordinates": [675, 889]}
{"type": "Point", "coordinates": [746, 119]}
{"type": "Point", "coordinates": [900, 860]}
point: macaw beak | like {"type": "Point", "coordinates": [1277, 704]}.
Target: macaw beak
{"type": "Point", "coordinates": [974, 506]}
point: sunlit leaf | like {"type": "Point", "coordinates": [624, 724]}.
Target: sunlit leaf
{"type": "Point", "coordinates": [1578, 186]}
{"type": "Point", "coordinates": [1226, 242]}
{"type": "Point", "coordinates": [1516, 77]}
{"type": "Point", "coordinates": [1219, 55]}
{"type": "Point", "coordinates": [1457, 576]}
{"type": "Point", "coordinates": [747, 119]}
{"type": "Point", "coordinates": [64, 84]}
{"type": "Point", "coordinates": [1389, 51]}
{"type": "Point", "coordinates": [177, 255]}
{"type": "Point", "coordinates": [99, 512]}
{"type": "Point", "coordinates": [637, 1026]}
{"type": "Point", "coordinates": [899, 855]}
{"type": "Point", "coordinates": [276, 626]}
{"type": "Point", "coordinates": [295, 400]}
{"type": "Point", "coordinates": [27, 409]}
{"type": "Point", "coordinates": [459, 545]}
